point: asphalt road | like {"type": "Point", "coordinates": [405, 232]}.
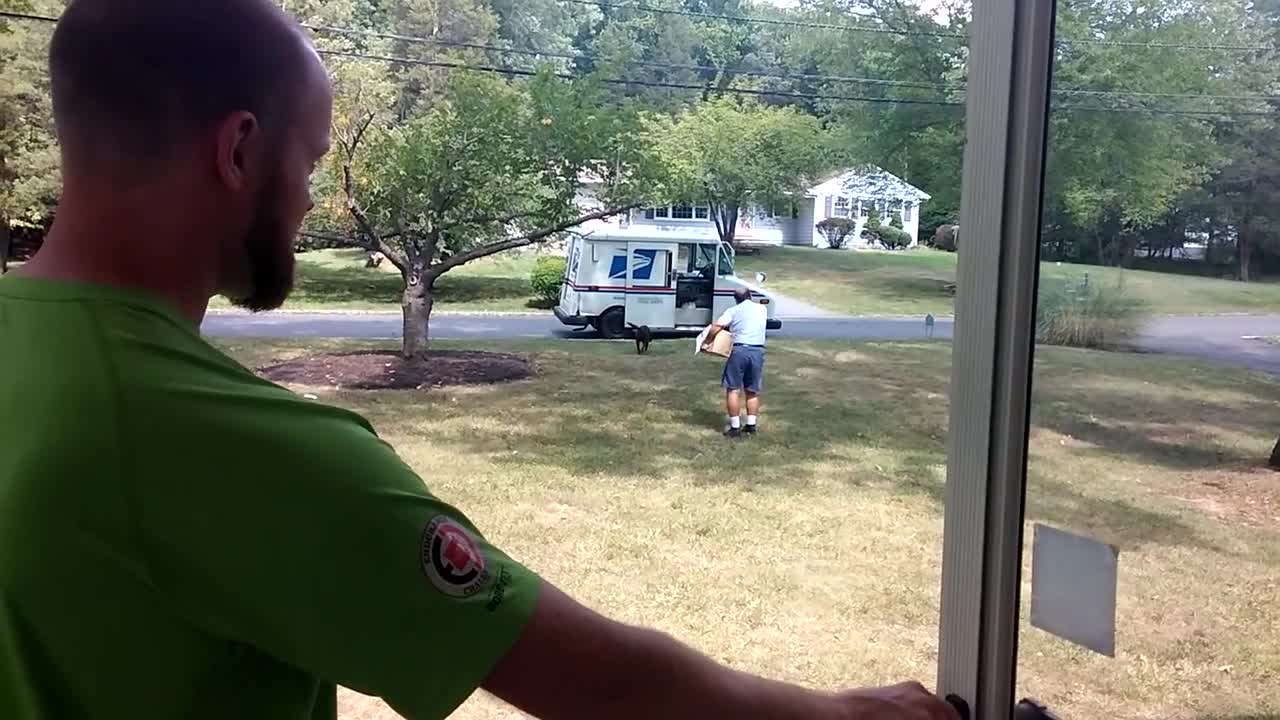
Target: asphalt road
{"type": "Point", "coordinates": [1230, 339]}
{"type": "Point", "coordinates": [493, 327]}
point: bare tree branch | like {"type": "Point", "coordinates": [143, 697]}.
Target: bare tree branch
{"type": "Point", "coordinates": [530, 239]}
{"type": "Point", "coordinates": [344, 239]}
{"type": "Point", "coordinates": [494, 220]}
{"type": "Point", "coordinates": [371, 240]}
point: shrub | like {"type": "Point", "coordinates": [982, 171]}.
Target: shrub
{"type": "Point", "coordinates": [896, 221]}
{"type": "Point", "coordinates": [836, 231]}
{"type": "Point", "coordinates": [1080, 314]}
{"type": "Point", "coordinates": [546, 278]}
{"type": "Point", "coordinates": [947, 238]}
{"type": "Point", "coordinates": [871, 229]}
{"type": "Point", "coordinates": [873, 219]}
{"type": "Point", "coordinates": [894, 239]}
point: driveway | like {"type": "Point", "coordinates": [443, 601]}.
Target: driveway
{"type": "Point", "coordinates": [1229, 339]}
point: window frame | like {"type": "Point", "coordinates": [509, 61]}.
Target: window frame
{"type": "Point", "coordinates": [667, 212]}
{"type": "Point", "coordinates": [847, 208]}
{"type": "Point", "coordinates": [1010, 67]}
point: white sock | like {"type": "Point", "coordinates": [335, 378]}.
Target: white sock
{"type": "Point", "coordinates": [735, 422]}
{"type": "Point", "coordinates": [751, 421]}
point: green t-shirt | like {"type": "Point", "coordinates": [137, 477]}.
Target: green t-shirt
{"type": "Point", "coordinates": [182, 539]}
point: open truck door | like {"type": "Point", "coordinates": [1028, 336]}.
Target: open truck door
{"type": "Point", "coordinates": [651, 291]}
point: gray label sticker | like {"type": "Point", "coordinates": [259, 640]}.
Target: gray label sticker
{"type": "Point", "coordinates": [1073, 588]}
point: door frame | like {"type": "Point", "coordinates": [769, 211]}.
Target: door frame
{"type": "Point", "coordinates": [656, 294]}
{"type": "Point", "coordinates": [1010, 63]}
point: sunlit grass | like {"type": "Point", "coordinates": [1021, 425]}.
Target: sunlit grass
{"type": "Point", "coordinates": [916, 282]}
{"type": "Point", "coordinates": [330, 280]}
{"type": "Point", "coordinates": [811, 553]}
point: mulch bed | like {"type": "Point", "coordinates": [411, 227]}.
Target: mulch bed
{"type": "Point", "coordinates": [387, 370]}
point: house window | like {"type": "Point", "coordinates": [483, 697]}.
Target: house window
{"type": "Point", "coordinates": [678, 212]}
{"type": "Point", "coordinates": [865, 209]}
{"type": "Point", "coordinates": [842, 207]}
{"type": "Point", "coordinates": [906, 212]}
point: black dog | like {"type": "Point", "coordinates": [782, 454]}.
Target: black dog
{"type": "Point", "coordinates": [644, 336]}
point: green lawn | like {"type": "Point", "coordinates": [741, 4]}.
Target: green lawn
{"type": "Point", "coordinates": [856, 283]}
{"type": "Point", "coordinates": [915, 282]}
{"type": "Point", "coordinates": [811, 553]}
{"type": "Point", "coordinates": [338, 280]}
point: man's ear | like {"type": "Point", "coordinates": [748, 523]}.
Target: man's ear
{"type": "Point", "coordinates": [239, 139]}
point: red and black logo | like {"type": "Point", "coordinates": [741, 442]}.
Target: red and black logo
{"type": "Point", "coordinates": [452, 559]}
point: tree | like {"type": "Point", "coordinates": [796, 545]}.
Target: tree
{"type": "Point", "coordinates": [29, 168]}
{"type": "Point", "coordinates": [490, 167]}
{"type": "Point", "coordinates": [734, 154]}
{"type": "Point", "coordinates": [836, 231]}
{"type": "Point", "coordinates": [871, 229]}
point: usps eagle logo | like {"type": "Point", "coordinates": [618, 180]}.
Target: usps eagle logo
{"type": "Point", "coordinates": [452, 559]}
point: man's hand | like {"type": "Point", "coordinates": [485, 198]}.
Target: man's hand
{"type": "Point", "coordinates": [908, 701]}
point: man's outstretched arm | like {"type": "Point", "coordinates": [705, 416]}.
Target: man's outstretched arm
{"type": "Point", "coordinates": [571, 662]}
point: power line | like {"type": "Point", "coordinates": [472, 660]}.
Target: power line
{"type": "Point", "coordinates": [27, 16]}
{"type": "Point", "coordinates": [670, 66]}
{"type": "Point", "coordinates": [844, 27]}
{"type": "Point", "coordinates": [767, 74]}
{"type": "Point", "coordinates": [741, 91]}
{"type": "Point", "coordinates": [643, 83]}
{"type": "Point", "coordinates": [766, 21]}
{"type": "Point", "coordinates": [770, 93]}
{"type": "Point", "coordinates": [1188, 96]}
{"type": "Point", "coordinates": [804, 24]}
{"type": "Point", "coordinates": [1206, 114]}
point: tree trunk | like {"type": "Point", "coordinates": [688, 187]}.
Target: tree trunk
{"type": "Point", "coordinates": [1244, 249]}
{"type": "Point", "coordinates": [416, 303]}
{"type": "Point", "coordinates": [726, 218]}
{"type": "Point", "coordinates": [6, 242]}
{"type": "Point", "coordinates": [1275, 456]}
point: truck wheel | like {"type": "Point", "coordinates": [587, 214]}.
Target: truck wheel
{"type": "Point", "coordinates": [612, 323]}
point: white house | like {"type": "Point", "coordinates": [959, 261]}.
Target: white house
{"type": "Point", "coordinates": [850, 194]}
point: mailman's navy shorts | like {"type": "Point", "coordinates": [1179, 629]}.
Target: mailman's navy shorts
{"type": "Point", "coordinates": [744, 370]}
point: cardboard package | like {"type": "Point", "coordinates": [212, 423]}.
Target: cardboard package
{"type": "Point", "coordinates": [722, 345]}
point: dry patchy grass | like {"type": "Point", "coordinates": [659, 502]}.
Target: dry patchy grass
{"type": "Point", "coordinates": [812, 552]}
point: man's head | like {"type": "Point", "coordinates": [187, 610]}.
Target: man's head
{"type": "Point", "coordinates": [220, 105]}
{"type": "Point", "coordinates": [742, 295]}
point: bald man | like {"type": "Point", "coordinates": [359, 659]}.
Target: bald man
{"type": "Point", "coordinates": [181, 539]}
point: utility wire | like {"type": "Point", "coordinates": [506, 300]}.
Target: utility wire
{"type": "Point", "coordinates": [767, 21]}
{"type": "Point", "coordinates": [771, 93]}
{"type": "Point", "coordinates": [670, 66]}
{"type": "Point", "coordinates": [764, 73]}
{"type": "Point", "coordinates": [825, 26]}
{"type": "Point", "coordinates": [642, 83]}
{"type": "Point", "coordinates": [843, 27]}
{"type": "Point", "coordinates": [742, 91]}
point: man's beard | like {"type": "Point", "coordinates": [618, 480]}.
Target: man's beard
{"type": "Point", "coordinates": [268, 251]}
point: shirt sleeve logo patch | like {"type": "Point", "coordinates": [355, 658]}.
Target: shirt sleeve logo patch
{"type": "Point", "coordinates": [452, 558]}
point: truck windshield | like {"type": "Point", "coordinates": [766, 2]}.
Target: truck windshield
{"type": "Point", "coordinates": [704, 257]}
{"type": "Point", "coordinates": [726, 260]}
